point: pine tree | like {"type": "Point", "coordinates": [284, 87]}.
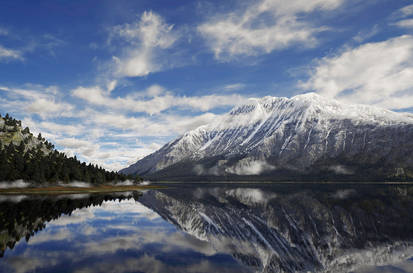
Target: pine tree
{"type": "Point", "coordinates": [26, 130]}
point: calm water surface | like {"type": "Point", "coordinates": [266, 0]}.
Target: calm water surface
{"type": "Point", "coordinates": [212, 228]}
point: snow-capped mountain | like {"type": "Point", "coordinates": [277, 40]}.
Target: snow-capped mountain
{"type": "Point", "coordinates": [298, 138]}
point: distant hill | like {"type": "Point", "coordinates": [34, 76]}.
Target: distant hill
{"type": "Point", "coordinates": [307, 137]}
{"type": "Point", "coordinates": [25, 156]}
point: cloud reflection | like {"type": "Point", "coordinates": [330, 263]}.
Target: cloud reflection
{"type": "Point", "coordinates": [127, 234]}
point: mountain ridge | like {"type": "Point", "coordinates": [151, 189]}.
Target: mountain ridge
{"type": "Point", "coordinates": [282, 135]}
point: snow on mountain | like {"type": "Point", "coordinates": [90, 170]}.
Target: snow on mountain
{"type": "Point", "coordinates": [273, 134]}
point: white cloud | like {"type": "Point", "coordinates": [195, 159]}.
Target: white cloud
{"type": "Point", "coordinates": [44, 107]}
{"type": "Point", "coordinates": [53, 130]}
{"type": "Point", "coordinates": [91, 132]}
{"type": "Point", "coordinates": [408, 23]}
{"type": "Point", "coordinates": [103, 152]}
{"type": "Point", "coordinates": [73, 143]}
{"type": "Point", "coordinates": [40, 100]}
{"type": "Point", "coordinates": [248, 166]}
{"type": "Point", "coordinates": [10, 54]}
{"type": "Point", "coordinates": [340, 169]}
{"type": "Point", "coordinates": [146, 38]}
{"type": "Point", "coordinates": [379, 74]}
{"type": "Point", "coordinates": [156, 101]}
{"type": "Point", "coordinates": [264, 27]}
{"type": "Point", "coordinates": [182, 124]}
{"type": "Point", "coordinates": [117, 144]}
{"type": "Point", "coordinates": [60, 129]}
{"type": "Point", "coordinates": [163, 125]}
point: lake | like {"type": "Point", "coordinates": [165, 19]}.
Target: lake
{"type": "Point", "coordinates": [212, 228]}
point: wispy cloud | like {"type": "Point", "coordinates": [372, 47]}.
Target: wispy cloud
{"type": "Point", "coordinates": [402, 17]}
{"type": "Point", "coordinates": [49, 43]}
{"type": "Point", "coordinates": [7, 54]}
{"type": "Point", "coordinates": [263, 27]}
{"type": "Point", "coordinates": [145, 39]}
{"type": "Point", "coordinates": [154, 100]}
{"type": "Point", "coordinates": [403, 12]}
{"type": "Point", "coordinates": [408, 23]}
{"type": "Point", "coordinates": [366, 34]}
{"type": "Point", "coordinates": [234, 86]}
{"type": "Point", "coordinates": [378, 73]}
{"type": "Point", "coordinates": [26, 44]}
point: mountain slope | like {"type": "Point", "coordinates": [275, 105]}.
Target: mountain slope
{"type": "Point", "coordinates": [23, 156]}
{"type": "Point", "coordinates": [304, 137]}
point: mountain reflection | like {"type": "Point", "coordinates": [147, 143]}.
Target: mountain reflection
{"type": "Point", "coordinates": [296, 228]}
{"type": "Point", "coordinates": [225, 228]}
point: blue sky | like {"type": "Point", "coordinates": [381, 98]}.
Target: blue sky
{"type": "Point", "coordinates": [112, 81]}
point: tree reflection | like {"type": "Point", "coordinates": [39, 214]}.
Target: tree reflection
{"type": "Point", "coordinates": [24, 218]}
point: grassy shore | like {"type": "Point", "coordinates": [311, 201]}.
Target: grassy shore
{"type": "Point", "coordinates": [72, 190]}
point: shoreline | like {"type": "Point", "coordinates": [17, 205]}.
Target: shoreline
{"type": "Point", "coordinates": [55, 190]}
{"type": "Point", "coordinates": [73, 190]}
{"type": "Point", "coordinates": [286, 182]}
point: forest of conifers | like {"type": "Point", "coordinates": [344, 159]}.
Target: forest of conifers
{"type": "Point", "coordinates": [42, 163]}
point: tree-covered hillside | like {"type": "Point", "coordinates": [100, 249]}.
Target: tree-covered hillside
{"type": "Point", "coordinates": [24, 156]}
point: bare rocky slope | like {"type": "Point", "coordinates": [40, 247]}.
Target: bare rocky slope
{"type": "Point", "coordinates": [306, 137]}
